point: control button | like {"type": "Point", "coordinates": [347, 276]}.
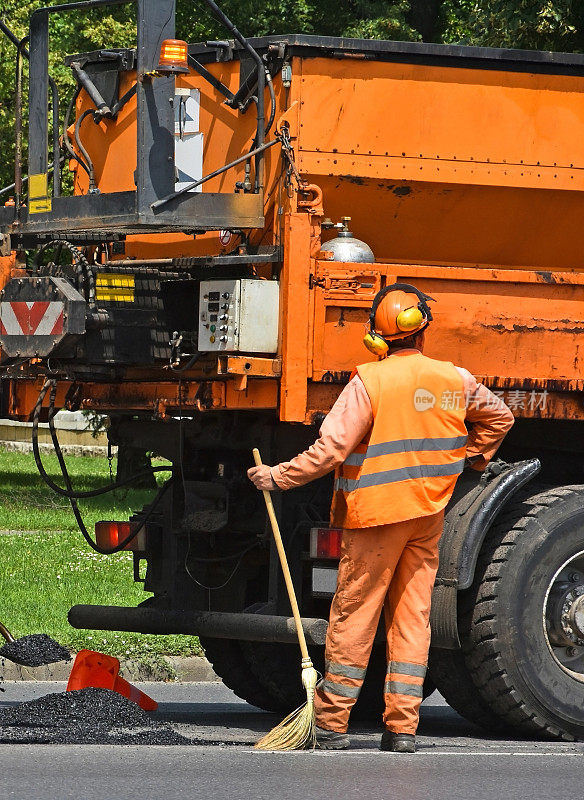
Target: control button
{"type": "Point", "coordinates": [224, 306]}
{"type": "Point", "coordinates": [225, 296]}
{"type": "Point", "coordinates": [223, 338]}
{"type": "Point", "coordinates": [224, 316]}
{"type": "Point", "coordinates": [223, 328]}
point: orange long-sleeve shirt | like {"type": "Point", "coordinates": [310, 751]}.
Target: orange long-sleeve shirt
{"type": "Point", "coordinates": [351, 417]}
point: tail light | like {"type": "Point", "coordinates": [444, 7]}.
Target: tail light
{"type": "Point", "coordinates": [325, 542]}
{"type": "Point", "coordinates": [111, 534]}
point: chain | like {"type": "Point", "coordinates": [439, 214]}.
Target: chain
{"type": "Point", "coordinates": [82, 268]}
{"type": "Point", "coordinates": [288, 151]}
{"type": "Point", "coordinates": [110, 460]}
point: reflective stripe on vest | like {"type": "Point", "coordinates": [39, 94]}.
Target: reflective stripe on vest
{"type": "Point", "coordinates": [406, 446]}
{"type": "Point", "coordinates": [407, 465]}
{"type": "Point", "coordinates": [396, 475]}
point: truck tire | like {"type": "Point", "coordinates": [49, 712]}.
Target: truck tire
{"type": "Point", "coordinates": [268, 675]}
{"type": "Point", "coordinates": [448, 670]}
{"type": "Point", "coordinates": [524, 648]}
{"type": "Point", "coordinates": [229, 661]}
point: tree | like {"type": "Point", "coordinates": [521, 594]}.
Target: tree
{"type": "Point", "coordinates": [540, 24]}
{"type": "Point", "coordinates": [524, 24]}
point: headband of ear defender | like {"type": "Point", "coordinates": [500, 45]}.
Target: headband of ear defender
{"type": "Point", "coordinates": [376, 343]}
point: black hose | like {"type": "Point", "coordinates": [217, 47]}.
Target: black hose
{"type": "Point", "coordinates": [66, 139]}
{"type": "Point", "coordinates": [83, 269]}
{"type": "Point", "coordinates": [192, 361]}
{"type": "Point", "coordinates": [69, 493]}
{"type": "Point", "coordinates": [272, 103]}
{"type": "Point", "coordinates": [104, 551]}
{"type": "Point", "coordinates": [261, 120]}
{"type": "Point", "coordinates": [84, 152]}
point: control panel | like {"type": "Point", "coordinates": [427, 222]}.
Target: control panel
{"type": "Point", "coordinates": [239, 316]}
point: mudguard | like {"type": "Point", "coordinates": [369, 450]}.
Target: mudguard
{"type": "Point", "coordinates": [478, 499]}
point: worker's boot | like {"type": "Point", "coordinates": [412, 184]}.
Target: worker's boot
{"type": "Point", "coordinates": [331, 740]}
{"type": "Point", "coordinates": [398, 742]}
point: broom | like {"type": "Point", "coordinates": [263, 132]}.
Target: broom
{"type": "Point", "coordinates": [296, 732]}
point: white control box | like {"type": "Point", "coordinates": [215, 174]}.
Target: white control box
{"type": "Point", "coordinates": [239, 316]}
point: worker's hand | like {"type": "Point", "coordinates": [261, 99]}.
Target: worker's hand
{"type": "Point", "coordinates": [261, 477]}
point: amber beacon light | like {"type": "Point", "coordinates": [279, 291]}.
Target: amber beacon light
{"type": "Point", "coordinates": [173, 57]}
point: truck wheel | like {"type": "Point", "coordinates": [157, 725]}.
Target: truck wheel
{"type": "Point", "coordinates": [228, 659]}
{"type": "Point", "coordinates": [448, 670]}
{"type": "Point", "coordinates": [525, 645]}
{"type": "Point", "coordinates": [268, 675]}
{"type": "Point", "coordinates": [277, 668]}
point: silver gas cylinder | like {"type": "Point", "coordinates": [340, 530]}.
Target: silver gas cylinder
{"type": "Point", "coordinates": [345, 247]}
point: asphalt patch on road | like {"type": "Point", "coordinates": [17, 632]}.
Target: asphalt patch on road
{"type": "Point", "coordinates": [86, 716]}
{"type": "Point", "coordinates": [35, 650]}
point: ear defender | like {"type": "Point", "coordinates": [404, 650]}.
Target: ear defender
{"type": "Point", "coordinates": [375, 343]}
{"type": "Point", "coordinates": [410, 319]}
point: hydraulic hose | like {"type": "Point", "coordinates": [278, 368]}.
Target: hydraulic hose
{"type": "Point", "coordinates": [272, 102]}
{"type": "Point", "coordinates": [82, 268]}
{"type": "Point", "coordinates": [261, 119]}
{"type": "Point", "coordinates": [190, 363]}
{"type": "Point", "coordinates": [106, 551]}
{"type": "Point", "coordinates": [84, 152]}
{"type": "Point", "coordinates": [66, 140]}
{"type": "Point", "coordinates": [68, 492]}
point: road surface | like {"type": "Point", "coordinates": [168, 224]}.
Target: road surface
{"type": "Point", "coordinates": [455, 761]}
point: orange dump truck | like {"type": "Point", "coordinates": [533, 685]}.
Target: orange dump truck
{"type": "Point", "coordinates": [237, 205]}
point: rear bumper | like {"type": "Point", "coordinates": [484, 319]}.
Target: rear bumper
{"type": "Point", "coordinates": [220, 625]}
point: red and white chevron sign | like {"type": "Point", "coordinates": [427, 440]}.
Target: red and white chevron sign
{"type": "Point", "coordinates": [31, 318]}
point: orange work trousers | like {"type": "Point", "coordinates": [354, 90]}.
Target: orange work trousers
{"type": "Point", "coordinates": [389, 567]}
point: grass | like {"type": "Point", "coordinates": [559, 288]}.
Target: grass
{"type": "Point", "coordinates": [43, 574]}
{"type": "Point", "coordinates": [27, 503]}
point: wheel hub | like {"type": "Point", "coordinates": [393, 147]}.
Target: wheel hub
{"type": "Point", "coordinates": [575, 613]}
{"type": "Point", "coordinates": [564, 615]}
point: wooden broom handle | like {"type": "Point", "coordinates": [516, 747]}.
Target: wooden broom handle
{"type": "Point", "coordinates": [283, 563]}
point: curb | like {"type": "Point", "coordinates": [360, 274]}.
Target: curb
{"type": "Point", "coordinates": [48, 449]}
{"type": "Point", "coordinates": [192, 669]}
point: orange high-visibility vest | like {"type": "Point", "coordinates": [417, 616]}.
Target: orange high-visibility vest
{"type": "Point", "coordinates": [408, 463]}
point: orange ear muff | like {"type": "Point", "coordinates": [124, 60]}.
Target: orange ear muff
{"type": "Point", "coordinates": [410, 319]}
{"type": "Point", "coordinates": [375, 344]}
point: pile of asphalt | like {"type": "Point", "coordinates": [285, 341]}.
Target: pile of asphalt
{"type": "Point", "coordinates": [87, 716]}
{"type": "Point", "coordinates": [35, 650]}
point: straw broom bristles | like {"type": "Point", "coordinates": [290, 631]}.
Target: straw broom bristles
{"type": "Point", "coordinates": [297, 731]}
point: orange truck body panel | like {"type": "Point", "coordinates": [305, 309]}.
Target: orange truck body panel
{"type": "Point", "coordinates": [467, 182]}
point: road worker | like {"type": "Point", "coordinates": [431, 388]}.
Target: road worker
{"type": "Point", "coordinates": [398, 439]}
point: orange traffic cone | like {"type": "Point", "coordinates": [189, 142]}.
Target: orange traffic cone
{"type": "Point", "coordinates": [101, 672]}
